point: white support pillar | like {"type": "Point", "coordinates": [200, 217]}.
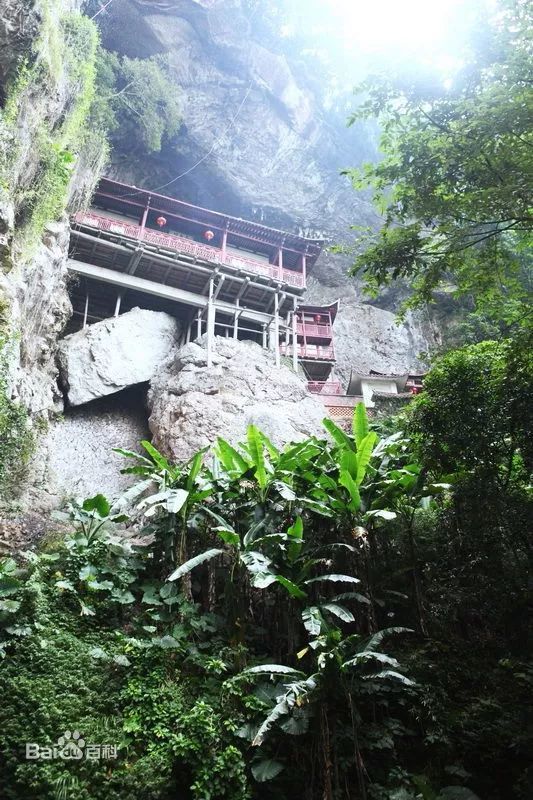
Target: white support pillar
{"type": "Point", "coordinates": [198, 323]}
{"type": "Point", "coordinates": [264, 336]}
{"type": "Point", "coordinates": [294, 338]}
{"type": "Point", "coordinates": [236, 321]}
{"type": "Point", "coordinates": [117, 304]}
{"type": "Point", "coordinates": [276, 329]}
{"type": "Point", "coordinates": [86, 311]}
{"type": "Point", "coordinates": [210, 324]}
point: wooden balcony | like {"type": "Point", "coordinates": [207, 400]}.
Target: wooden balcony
{"type": "Point", "coordinates": [181, 244]}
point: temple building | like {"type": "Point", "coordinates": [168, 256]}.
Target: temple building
{"type": "Point", "coordinates": [218, 274]}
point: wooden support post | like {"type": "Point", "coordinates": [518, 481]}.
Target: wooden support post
{"type": "Point", "coordinates": [224, 242]}
{"type": "Point", "coordinates": [304, 270]}
{"type": "Point", "coordinates": [264, 336]}
{"type": "Point", "coordinates": [276, 329]}
{"type": "Point", "coordinates": [287, 332]}
{"type": "Point", "coordinates": [117, 304]}
{"type": "Point", "coordinates": [210, 324]}
{"type": "Point", "coordinates": [198, 323]}
{"type": "Point", "coordinates": [280, 263]}
{"type": "Point", "coordinates": [144, 217]}
{"type": "Point", "coordinates": [236, 322]}
{"type": "Point", "coordinates": [188, 334]}
{"type": "Point", "coordinates": [294, 338]}
{"type": "Point", "coordinates": [85, 313]}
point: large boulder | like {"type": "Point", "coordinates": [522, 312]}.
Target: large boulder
{"type": "Point", "coordinates": [191, 404]}
{"type": "Point", "coordinates": [111, 355]}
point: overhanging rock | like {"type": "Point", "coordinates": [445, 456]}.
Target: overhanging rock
{"type": "Point", "coordinates": [116, 353]}
{"type": "Point", "coordinates": [191, 405]}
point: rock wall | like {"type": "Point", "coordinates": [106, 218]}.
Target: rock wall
{"type": "Point", "coordinates": [190, 405]}
{"type": "Point", "coordinates": [75, 457]}
{"type": "Point", "coordinates": [37, 295]}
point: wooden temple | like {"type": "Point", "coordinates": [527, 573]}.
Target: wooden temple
{"type": "Point", "coordinates": [218, 274]}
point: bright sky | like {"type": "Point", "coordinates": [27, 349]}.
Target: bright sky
{"type": "Point", "coordinates": [376, 25]}
{"type": "Point", "coordinates": [418, 32]}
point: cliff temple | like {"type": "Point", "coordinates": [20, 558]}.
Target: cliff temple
{"type": "Point", "coordinates": [218, 274]}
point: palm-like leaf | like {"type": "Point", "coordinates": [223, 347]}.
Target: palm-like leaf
{"type": "Point", "coordinates": [189, 565]}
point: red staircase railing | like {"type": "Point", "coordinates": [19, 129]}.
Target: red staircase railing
{"type": "Point", "coordinates": [310, 330]}
{"type": "Point", "coordinates": [183, 245]}
{"type": "Point", "coordinates": [324, 387]}
{"type": "Point", "coordinates": [311, 351]}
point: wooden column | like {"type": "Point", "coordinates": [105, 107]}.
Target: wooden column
{"type": "Point", "coordinates": [264, 336]}
{"type": "Point", "coordinates": [294, 338]}
{"type": "Point", "coordinates": [144, 217]}
{"type": "Point", "coordinates": [210, 324]}
{"type": "Point", "coordinates": [304, 270]}
{"type": "Point", "coordinates": [276, 329]}
{"type": "Point", "coordinates": [117, 304]}
{"type": "Point", "coordinates": [86, 311]}
{"type": "Point", "coordinates": [198, 323]}
{"type": "Point", "coordinates": [280, 262]}
{"type": "Point", "coordinates": [236, 321]}
{"type": "Point", "coordinates": [224, 242]}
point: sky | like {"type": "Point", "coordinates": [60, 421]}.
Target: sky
{"type": "Point", "coordinates": [373, 33]}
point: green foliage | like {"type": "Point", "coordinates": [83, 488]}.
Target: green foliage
{"type": "Point", "coordinates": [63, 62]}
{"type": "Point", "coordinates": [475, 413]}
{"type": "Point", "coordinates": [332, 619]}
{"type": "Point", "coordinates": [453, 184]}
{"type": "Point", "coordinates": [16, 437]}
{"type": "Point", "coordinates": [136, 101]}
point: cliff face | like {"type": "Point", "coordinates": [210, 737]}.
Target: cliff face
{"type": "Point", "coordinates": [258, 141]}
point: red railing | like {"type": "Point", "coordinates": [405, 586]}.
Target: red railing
{"type": "Point", "coordinates": [310, 330]}
{"type": "Point", "coordinates": [324, 387]}
{"type": "Point", "coordinates": [190, 247]}
{"type": "Point", "coordinates": [312, 351]}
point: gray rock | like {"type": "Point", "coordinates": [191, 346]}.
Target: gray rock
{"type": "Point", "coordinates": [191, 405]}
{"type": "Point", "coordinates": [116, 353]}
{"type": "Point", "coordinates": [75, 456]}
{"type": "Point", "coordinates": [35, 293]}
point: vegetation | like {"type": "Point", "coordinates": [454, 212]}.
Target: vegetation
{"type": "Point", "coordinates": [454, 184]}
{"type": "Point", "coordinates": [16, 437]}
{"type": "Point", "coordinates": [292, 623]}
{"type": "Point", "coordinates": [136, 102]}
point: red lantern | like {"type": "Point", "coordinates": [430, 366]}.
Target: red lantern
{"type": "Point", "coordinates": [208, 235]}
{"type": "Point", "coordinates": [161, 221]}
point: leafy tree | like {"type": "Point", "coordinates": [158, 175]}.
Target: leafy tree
{"type": "Point", "coordinates": [454, 183]}
{"type": "Point", "coordinates": [136, 101]}
{"type": "Point", "coordinates": [474, 416]}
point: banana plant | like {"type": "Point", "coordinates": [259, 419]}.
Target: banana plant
{"type": "Point", "coordinates": [169, 493]}
{"type": "Point", "coordinates": [345, 665]}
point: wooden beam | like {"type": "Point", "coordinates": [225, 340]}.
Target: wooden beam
{"type": "Point", "coordinates": [173, 293]}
